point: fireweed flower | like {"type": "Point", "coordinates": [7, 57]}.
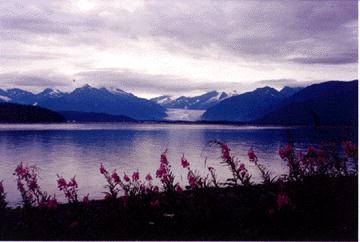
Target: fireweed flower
{"type": "Point", "coordinates": [27, 185]}
{"type": "Point", "coordinates": [286, 152]}
{"type": "Point", "coordinates": [69, 188]}
{"type": "Point", "coordinates": [178, 188]}
{"type": "Point", "coordinates": [225, 152]}
{"type": "Point", "coordinates": [192, 180]}
{"type": "Point", "coordinates": [135, 176]}
{"type": "Point", "coordinates": [148, 177]}
{"type": "Point", "coordinates": [184, 162]}
{"type": "Point", "coordinates": [163, 158]}
{"type": "Point", "coordinates": [252, 156]}
{"type": "Point", "coordinates": [102, 169]}
{"type": "Point", "coordinates": [115, 177]}
{"type": "Point", "coordinates": [126, 178]}
{"type": "Point", "coordinates": [165, 174]}
{"type": "Point", "coordinates": [242, 167]}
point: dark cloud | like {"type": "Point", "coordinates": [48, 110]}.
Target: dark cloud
{"type": "Point", "coordinates": [280, 83]}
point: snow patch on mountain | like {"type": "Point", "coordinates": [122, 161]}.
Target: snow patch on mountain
{"type": "Point", "coordinates": [5, 99]}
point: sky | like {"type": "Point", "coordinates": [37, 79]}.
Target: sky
{"type": "Point", "coordinates": [175, 47]}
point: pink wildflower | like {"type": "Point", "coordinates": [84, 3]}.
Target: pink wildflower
{"type": "Point", "coordinates": [192, 180]}
{"type": "Point", "coordinates": [102, 169]}
{"type": "Point", "coordinates": [225, 152]}
{"type": "Point", "coordinates": [69, 188]}
{"type": "Point", "coordinates": [163, 158]}
{"type": "Point", "coordinates": [241, 167]}
{"type": "Point", "coordinates": [184, 162]}
{"type": "Point", "coordinates": [178, 188]}
{"type": "Point", "coordinates": [73, 182]}
{"type": "Point", "coordinates": [33, 185]}
{"type": "Point", "coordinates": [251, 154]}
{"type": "Point", "coordinates": [286, 151]}
{"type": "Point", "coordinates": [148, 177]}
{"type": "Point", "coordinates": [126, 178]}
{"type": "Point", "coordinates": [61, 183]}
{"type": "Point", "coordinates": [135, 176]}
{"type": "Point", "coordinates": [115, 177]}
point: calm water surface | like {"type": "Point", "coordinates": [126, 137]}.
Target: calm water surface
{"type": "Point", "coordinates": [78, 149]}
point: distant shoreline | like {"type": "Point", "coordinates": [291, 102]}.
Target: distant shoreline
{"type": "Point", "coordinates": [185, 123]}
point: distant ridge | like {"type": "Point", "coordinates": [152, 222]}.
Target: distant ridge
{"type": "Point", "coordinates": [18, 113]}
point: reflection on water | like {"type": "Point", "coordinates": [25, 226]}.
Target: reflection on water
{"type": "Point", "coordinates": [78, 149]}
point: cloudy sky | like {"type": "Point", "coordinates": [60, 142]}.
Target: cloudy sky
{"type": "Point", "coordinates": [176, 47]}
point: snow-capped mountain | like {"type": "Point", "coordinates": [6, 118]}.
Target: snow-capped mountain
{"type": "Point", "coordinates": [50, 93]}
{"type": "Point", "coordinates": [162, 100]}
{"type": "Point", "coordinates": [88, 99]}
{"type": "Point", "coordinates": [245, 107]}
{"type": "Point", "coordinates": [201, 102]}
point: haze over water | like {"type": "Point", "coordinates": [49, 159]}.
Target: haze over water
{"type": "Point", "coordinates": [79, 149]}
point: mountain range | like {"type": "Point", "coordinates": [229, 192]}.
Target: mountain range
{"type": "Point", "coordinates": [201, 102]}
{"type": "Point", "coordinates": [89, 99]}
{"type": "Point", "coordinates": [248, 106]}
{"type": "Point", "coordinates": [328, 103]}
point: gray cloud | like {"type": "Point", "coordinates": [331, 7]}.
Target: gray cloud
{"type": "Point", "coordinates": [333, 60]}
{"type": "Point", "coordinates": [249, 29]}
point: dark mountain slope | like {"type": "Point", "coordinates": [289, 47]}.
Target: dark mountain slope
{"type": "Point", "coordinates": [17, 113]}
{"type": "Point", "coordinates": [328, 103]}
{"type": "Point", "coordinates": [245, 107]}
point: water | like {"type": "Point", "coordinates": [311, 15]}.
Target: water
{"type": "Point", "coordinates": [79, 149]}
